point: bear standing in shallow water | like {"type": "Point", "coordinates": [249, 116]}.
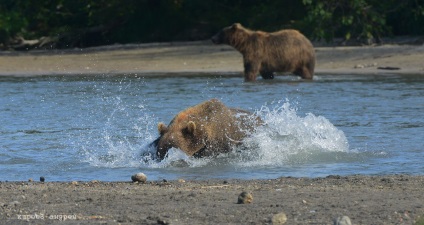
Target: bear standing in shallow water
{"type": "Point", "coordinates": [266, 53]}
{"type": "Point", "coordinates": [206, 129]}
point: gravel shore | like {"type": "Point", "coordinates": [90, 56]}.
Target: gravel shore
{"type": "Point", "coordinates": [396, 199]}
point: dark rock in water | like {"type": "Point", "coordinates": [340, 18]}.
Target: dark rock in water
{"type": "Point", "coordinates": [334, 177]}
{"type": "Point", "coordinates": [42, 179]}
{"type": "Point", "coordinates": [388, 68]}
{"type": "Point", "coordinates": [245, 198]}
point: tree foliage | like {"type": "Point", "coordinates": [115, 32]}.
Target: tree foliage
{"type": "Point", "coordinates": [363, 19]}
{"type": "Point", "coordinates": [83, 23]}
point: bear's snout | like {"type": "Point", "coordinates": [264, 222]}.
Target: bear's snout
{"type": "Point", "coordinates": [162, 150]}
{"type": "Point", "coordinates": [165, 143]}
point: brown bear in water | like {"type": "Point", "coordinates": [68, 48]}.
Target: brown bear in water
{"type": "Point", "coordinates": [206, 129]}
{"type": "Point", "coordinates": [266, 53]}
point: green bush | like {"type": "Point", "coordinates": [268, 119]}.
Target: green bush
{"type": "Point", "coordinates": [356, 19]}
{"type": "Point", "coordinates": [11, 23]}
{"type": "Point", "coordinates": [364, 19]}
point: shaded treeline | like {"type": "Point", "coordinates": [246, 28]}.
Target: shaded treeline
{"type": "Point", "coordinates": [81, 23]}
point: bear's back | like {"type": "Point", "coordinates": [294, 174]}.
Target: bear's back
{"type": "Point", "coordinates": [289, 37]}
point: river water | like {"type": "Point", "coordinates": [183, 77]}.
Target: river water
{"type": "Point", "coordinates": [98, 127]}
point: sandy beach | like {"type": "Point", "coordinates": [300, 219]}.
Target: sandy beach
{"type": "Point", "coordinates": [395, 199]}
{"type": "Point", "coordinates": [202, 58]}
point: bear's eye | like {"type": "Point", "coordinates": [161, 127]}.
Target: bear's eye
{"type": "Point", "coordinates": [185, 132]}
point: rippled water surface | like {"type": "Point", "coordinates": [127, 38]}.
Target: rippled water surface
{"type": "Point", "coordinates": [85, 128]}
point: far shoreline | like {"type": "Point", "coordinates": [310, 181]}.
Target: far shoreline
{"type": "Point", "coordinates": [202, 58]}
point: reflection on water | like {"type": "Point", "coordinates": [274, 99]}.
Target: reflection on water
{"type": "Point", "coordinates": [85, 127]}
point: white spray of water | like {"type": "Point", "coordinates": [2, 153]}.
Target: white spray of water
{"type": "Point", "coordinates": [286, 134]}
{"type": "Point", "coordinates": [120, 139]}
{"type": "Point", "coordinates": [176, 158]}
{"type": "Point", "coordinates": [114, 154]}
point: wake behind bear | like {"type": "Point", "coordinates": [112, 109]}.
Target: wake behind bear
{"type": "Point", "coordinates": [206, 129]}
{"type": "Point", "coordinates": [266, 53]}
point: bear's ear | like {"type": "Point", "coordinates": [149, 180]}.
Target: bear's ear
{"type": "Point", "coordinates": [162, 128]}
{"type": "Point", "coordinates": [236, 26]}
{"type": "Point", "coordinates": [191, 127]}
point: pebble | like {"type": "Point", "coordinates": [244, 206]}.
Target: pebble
{"type": "Point", "coordinates": [245, 198]}
{"type": "Point", "coordinates": [139, 177]}
{"type": "Point", "coordinates": [279, 218]}
{"type": "Point", "coordinates": [342, 220]}
{"type": "Point", "coordinates": [361, 66]}
{"type": "Point", "coordinates": [181, 181]}
{"type": "Point", "coordinates": [14, 203]}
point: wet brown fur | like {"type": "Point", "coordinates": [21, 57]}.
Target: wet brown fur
{"type": "Point", "coordinates": [208, 128]}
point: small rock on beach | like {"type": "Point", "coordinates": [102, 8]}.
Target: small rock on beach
{"type": "Point", "coordinates": [139, 177]}
{"type": "Point", "coordinates": [361, 66]}
{"type": "Point", "coordinates": [342, 220]}
{"type": "Point", "coordinates": [279, 218]}
{"type": "Point", "coordinates": [245, 198]}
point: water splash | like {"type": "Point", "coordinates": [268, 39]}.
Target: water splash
{"type": "Point", "coordinates": [178, 159]}
{"type": "Point", "coordinates": [287, 137]}
{"type": "Point", "coordinates": [121, 138]}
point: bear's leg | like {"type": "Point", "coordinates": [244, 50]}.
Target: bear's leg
{"type": "Point", "coordinates": [304, 73]}
{"type": "Point", "coordinates": [250, 71]}
{"type": "Point", "coordinates": [267, 75]}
